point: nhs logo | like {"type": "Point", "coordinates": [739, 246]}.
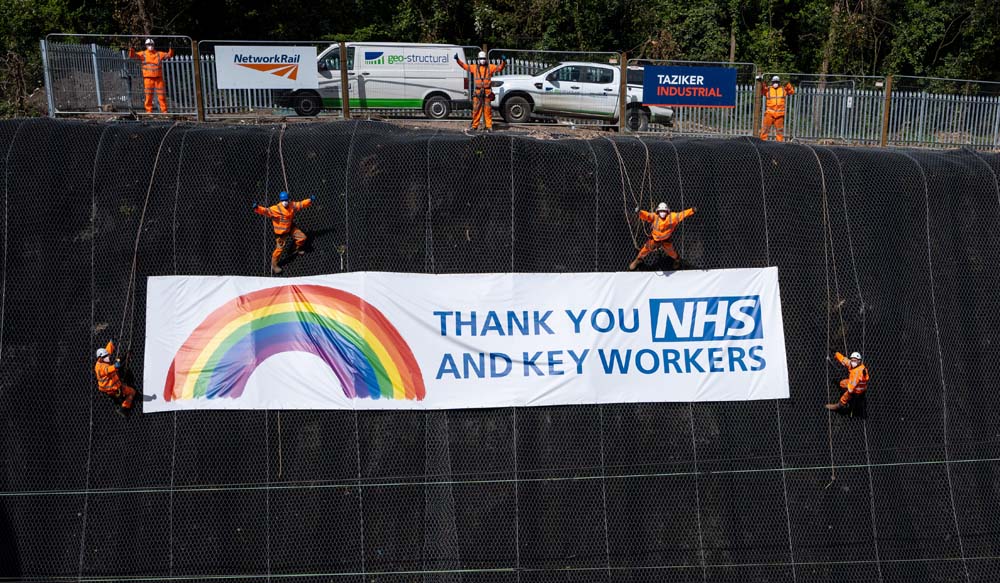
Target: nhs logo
{"type": "Point", "coordinates": [705, 319]}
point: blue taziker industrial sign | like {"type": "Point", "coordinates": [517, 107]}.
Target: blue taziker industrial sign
{"type": "Point", "coordinates": [689, 86]}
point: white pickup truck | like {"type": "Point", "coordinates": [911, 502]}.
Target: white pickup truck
{"type": "Point", "coordinates": [576, 89]}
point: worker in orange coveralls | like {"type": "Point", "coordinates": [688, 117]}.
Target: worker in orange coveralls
{"type": "Point", "coordinates": [108, 381]}
{"type": "Point", "coordinates": [856, 382]}
{"type": "Point", "coordinates": [152, 74]}
{"type": "Point", "coordinates": [281, 219]}
{"type": "Point", "coordinates": [482, 97]}
{"type": "Point", "coordinates": [774, 114]}
{"type": "Point", "coordinates": [664, 223]}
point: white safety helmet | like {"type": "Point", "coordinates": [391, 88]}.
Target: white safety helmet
{"type": "Point", "coordinates": [482, 54]}
{"type": "Point", "coordinates": [149, 42]}
{"type": "Point", "coordinates": [662, 207]}
{"type": "Point", "coordinates": [101, 353]}
{"type": "Point", "coordinates": [775, 79]}
{"type": "Point", "coordinates": [855, 356]}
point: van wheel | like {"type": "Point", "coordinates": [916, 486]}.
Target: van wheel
{"type": "Point", "coordinates": [308, 105]}
{"type": "Point", "coordinates": [437, 107]}
{"type": "Point", "coordinates": [516, 109]}
{"type": "Point", "coordinates": [637, 120]}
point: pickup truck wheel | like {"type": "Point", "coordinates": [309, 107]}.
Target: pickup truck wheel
{"type": "Point", "coordinates": [637, 120]}
{"type": "Point", "coordinates": [307, 105]}
{"type": "Point", "coordinates": [516, 110]}
{"type": "Point", "coordinates": [437, 107]}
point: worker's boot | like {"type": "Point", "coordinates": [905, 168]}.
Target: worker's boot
{"type": "Point", "coordinates": [633, 265]}
{"type": "Point", "coordinates": [275, 268]}
{"type": "Point", "coordinates": [832, 406]}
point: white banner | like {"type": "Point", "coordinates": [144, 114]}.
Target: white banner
{"type": "Point", "coordinates": [266, 67]}
{"type": "Point", "coordinates": [409, 341]}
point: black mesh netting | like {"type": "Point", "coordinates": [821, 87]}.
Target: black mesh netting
{"type": "Point", "coordinates": [891, 253]}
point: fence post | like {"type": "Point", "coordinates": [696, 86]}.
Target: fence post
{"type": "Point", "coordinates": [622, 92]}
{"type": "Point", "coordinates": [886, 110]}
{"type": "Point", "coordinates": [199, 96]}
{"type": "Point", "coordinates": [97, 74]}
{"type": "Point", "coordinates": [757, 85]}
{"type": "Point", "coordinates": [345, 91]}
{"type": "Point", "coordinates": [49, 98]}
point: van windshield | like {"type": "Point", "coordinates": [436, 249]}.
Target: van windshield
{"type": "Point", "coordinates": [331, 61]}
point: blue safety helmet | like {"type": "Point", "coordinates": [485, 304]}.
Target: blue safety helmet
{"type": "Point", "coordinates": [283, 196]}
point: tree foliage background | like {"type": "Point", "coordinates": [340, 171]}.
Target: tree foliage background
{"type": "Point", "coordinates": [940, 38]}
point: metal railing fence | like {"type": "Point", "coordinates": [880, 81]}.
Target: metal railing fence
{"type": "Point", "coordinates": [93, 74]}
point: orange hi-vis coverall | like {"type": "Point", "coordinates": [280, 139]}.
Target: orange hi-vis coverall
{"type": "Point", "coordinates": [856, 382]}
{"type": "Point", "coordinates": [281, 220]}
{"type": "Point", "coordinates": [774, 114]}
{"type": "Point", "coordinates": [152, 76]}
{"type": "Point", "coordinates": [482, 97]}
{"type": "Point", "coordinates": [662, 230]}
{"type": "Point", "coordinates": [109, 383]}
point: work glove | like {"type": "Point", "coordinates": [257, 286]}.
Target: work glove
{"type": "Point", "coordinates": [456, 57]}
{"type": "Point", "coordinates": [118, 363]}
{"type": "Point", "coordinates": [636, 210]}
{"type": "Point", "coordinates": [255, 205]}
{"type": "Point", "coordinates": [503, 58]}
{"type": "Point", "coordinates": [694, 208]}
{"type": "Point", "coordinates": [312, 199]}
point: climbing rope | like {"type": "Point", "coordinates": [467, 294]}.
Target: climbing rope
{"type": "Point", "coordinates": [635, 227]}
{"type": "Point", "coordinates": [130, 290]}
{"type": "Point", "coordinates": [829, 256]}
{"type": "Point", "coordinates": [281, 155]}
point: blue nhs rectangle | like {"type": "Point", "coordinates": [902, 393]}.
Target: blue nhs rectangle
{"type": "Point", "coordinates": [705, 319]}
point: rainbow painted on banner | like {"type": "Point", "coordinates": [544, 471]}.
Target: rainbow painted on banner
{"type": "Point", "coordinates": [361, 346]}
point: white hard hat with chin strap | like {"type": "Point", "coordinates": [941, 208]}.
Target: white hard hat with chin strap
{"type": "Point", "coordinates": [855, 356]}
{"type": "Point", "coordinates": [662, 207]}
{"type": "Point", "coordinates": [101, 353]}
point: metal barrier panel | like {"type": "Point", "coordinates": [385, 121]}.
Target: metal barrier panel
{"type": "Point", "coordinates": [578, 88]}
{"type": "Point", "coordinates": [713, 121]}
{"type": "Point", "coordinates": [927, 111]}
{"type": "Point", "coordinates": [253, 101]}
{"type": "Point", "coordinates": [831, 108]}
{"type": "Point", "coordinates": [95, 74]}
{"type": "Point", "coordinates": [410, 80]}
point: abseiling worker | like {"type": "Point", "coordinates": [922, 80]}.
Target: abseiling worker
{"type": "Point", "coordinates": [282, 220]}
{"type": "Point", "coordinates": [664, 223]}
{"type": "Point", "coordinates": [774, 113]}
{"type": "Point", "coordinates": [856, 382]}
{"type": "Point", "coordinates": [482, 96]}
{"type": "Point", "coordinates": [152, 73]}
{"type": "Point", "coordinates": [108, 381]}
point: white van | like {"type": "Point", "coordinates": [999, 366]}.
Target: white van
{"type": "Point", "coordinates": [388, 75]}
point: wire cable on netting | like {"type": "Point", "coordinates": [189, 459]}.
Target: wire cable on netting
{"type": "Point", "coordinates": [6, 206]}
{"type": "Point", "coordinates": [863, 314]}
{"type": "Point", "coordinates": [777, 404]}
{"type": "Point", "coordinates": [940, 354]}
{"type": "Point", "coordinates": [93, 338]}
{"type": "Point", "coordinates": [131, 289]}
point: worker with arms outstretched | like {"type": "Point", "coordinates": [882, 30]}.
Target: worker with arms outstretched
{"type": "Point", "coordinates": [774, 114]}
{"type": "Point", "coordinates": [282, 215]}
{"type": "Point", "coordinates": [152, 73]}
{"type": "Point", "coordinates": [664, 223]}
{"type": "Point", "coordinates": [108, 381]}
{"type": "Point", "coordinates": [482, 96]}
{"type": "Point", "coordinates": [856, 382]}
